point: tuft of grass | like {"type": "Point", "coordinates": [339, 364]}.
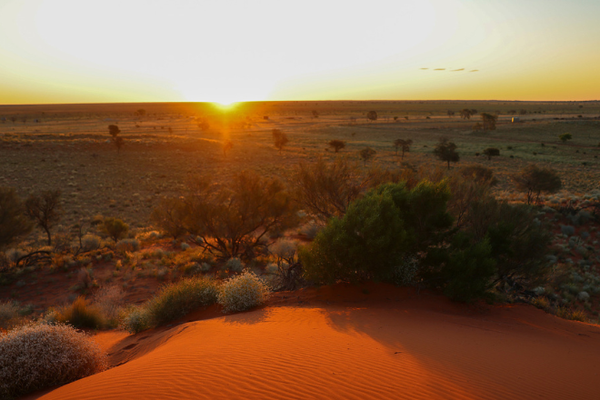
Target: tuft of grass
{"type": "Point", "coordinates": [178, 299]}
{"type": "Point", "coordinates": [81, 314]}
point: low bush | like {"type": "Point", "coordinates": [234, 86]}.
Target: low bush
{"type": "Point", "coordinates": [234, 265]}
{"type": "Point", "coordinates": [9, 314]}
{"type": "Point", "coordinates": [135, 319]}
{"type": "Point", "coordinates": [91, 242]}
{"type": "Point", "coordinates": [130, 245]}
{"type": "Point", "coordinates": [81, 314]}
{"type": "Point", "coordinates": [242, 292]}
{"type": "Point", "coordinates": [35, 357]}
{"type": "Point", "coordinates": [115, 228]}
{"type": "Point", "coordinates": [177, 299]}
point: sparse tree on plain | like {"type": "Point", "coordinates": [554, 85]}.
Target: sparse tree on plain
{"type": "Point", "coordinates": [117, 140]}
{"type": "Point", "coordinates": [367, 154]}
{"type": "Point", "coordinates": [491, 152]}
{"type": "Point", "coordinates": [141, 112]}
{"type": "Point", "coordinates": [534, 180]}
{"type": "Point", "coordinates": [445, 150]}
{"type": "Point", "coordinates": [565, 136]}
{"type": "Point", "coordinates": [489, 121]}
{"type": "Point", "coordinates": [404, 145]}
{"type": "Point", "coordinates": [280, 139]}
{"type": "Point", "coordinates": [465, 113]}
{"type": "Point", "coordinates": [315, 113]}
{"type": "Point", "coordinates": [450, 113]}
{"type": "Point", "coordinates": [45, 210]}
{"type": "Point", "coordinates": [372, 115]}
{"type": "Point", "coordinates": [337, 145]}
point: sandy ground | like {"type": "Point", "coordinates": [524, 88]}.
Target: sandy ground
{"type": "Point", "coordinates": [352, 342]}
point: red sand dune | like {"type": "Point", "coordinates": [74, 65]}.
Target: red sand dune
{"type": "Point", "coordinates": [341, 342]}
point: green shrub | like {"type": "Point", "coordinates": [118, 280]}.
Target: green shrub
{"type": "Point", "coordinates": [81, 314]}
{"type": "Point", "coordinates": [377, 233]}
{"type": "Point", "coordinates": [35, 357]}
{"type": "Point", "coordinates": [115, 228]}
{"type": "Point", "coordinates": [242, 292]}
{"type": "Point", "coordinates": [464, 270]}
{"type": "Point", "coordinates": [178, 299]}
{"type": "Point", "coordinates": [135, 319]}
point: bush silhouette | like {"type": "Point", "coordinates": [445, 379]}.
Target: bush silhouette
{"type": "Point", "coordinates": [337, 145]}
{"type": "Point", "coordinates": [44, 209]}
{"type": "Point", "coordinates": [402, 144]}
{"type": "Point", "coordinates": [534, 180]}
{"type": "Point", "coordinates": [115, 228]}
{"type": "Point", "coordinates": [445, 150]}
{"type": "Point", "coordinates": [13, 222]}
{"type": "Point", "coordinates": [280, 139]}
{"type": "Point", "coordinates": [491, 152]}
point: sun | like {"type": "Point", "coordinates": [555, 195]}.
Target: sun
{"type": "Point", "coordinates": [225, 105]}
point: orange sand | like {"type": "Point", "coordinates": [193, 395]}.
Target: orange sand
{"type": "Point", "coordinates": [353, 342]}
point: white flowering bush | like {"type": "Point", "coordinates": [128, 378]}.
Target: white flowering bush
{"type": "Point", "coordinates": [242, 292]}
{"type": "Point", "coordinates": [38, 356]}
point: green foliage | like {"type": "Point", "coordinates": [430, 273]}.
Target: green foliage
{"type": "Point", "coordinates": [135, 319]}
{"type": "Point", "coordinates": [464, 269]}
{"type": "Point", "coordinates": [13, 223]}
{"type": "Point", "coordinates": [379, 230]}
{"type": "Point", "coordinates": [115, 228]}
{"type": "Point", "coordinates": [565, 136]}
{"type": "Point", "coordinates": [534, 180]}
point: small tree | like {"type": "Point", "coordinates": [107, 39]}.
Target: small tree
{"type": "Point", "coordinates": [315, 113]}
{"type": "Point", "coordinates": [445, 150]}
{"type": "Point", "coordinates": [404, 145]}
{"type": "Point", "coordinates": [367, 154]}
{"type": "Point", "coordinates": [534, 180]}
{"type": "Point", "coordinates": [117, 140]}
{"type": "Point", "coordinates": [372, 115]}
{"type": "Point", "coordinates": [465, 113]}
{"type": "Point", "coordinates": [115, 228]}
{"type": "Point", "coordinates": [170, 216]}
{"type": "Point", "coordinates": [227, 145]}
{"type": "Point", "coordinates": [337, 145]}
{"type": "Point", "coordinates": [491, 152]}
{"type": "Point", "coordinates": [565, 136]}
{"type": "Point", "coordinates": [13, 222]}
{"type": "Point", "coordinates": [489, 121]}
{"type": "Point", "coordinates": [451, 113]}
{"type": "Point", "coordinates": [141, 112]}
{"type": "Point", "coordinates": [280, 139]}
{"type": "Point", "coordinates": [44, 209]}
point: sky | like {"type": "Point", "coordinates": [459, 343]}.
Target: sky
{"type": "Point", "coordinates": [80, 51]}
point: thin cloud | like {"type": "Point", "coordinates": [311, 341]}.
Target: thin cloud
{"type": "Point", "coordinates": [475, 70]}
{"type": "Point", "coordinates": [440, 69]}
{"type": "Point", "coordinates": [424, 68]}
{"type": "Point", "coordinates": [455, 70]}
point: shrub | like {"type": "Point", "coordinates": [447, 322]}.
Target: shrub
{"type": "Point", "coordinates": [491, 152]}
{"type": "Point", "coordinates": [367, 154]}
{"type": "Point", "coordinates": [109, 300]}
{"type": "Point", "coordinates": [13, 223]}
{"type": "Point", "coordinates": [90, 242]}
{"type": "Point", "coordinates": [232, 221]}
{"type": "Point", "coordinates": [464, 269]}
{"type": "Point", "coordinates": [534, 180]}
{"type": "Point", "coordinates": [234, 265]}
{"type": "Point", "coordinates": [378, 231]}
{"type": "Point", "coordinates": [44, 209]}
{"type": "Point", "coordinates": [81, 314]}
{"type": "Point", "coordinates": [9, 313]}
{"type": "Point", "coordinates": [326, 189]}
{"type": "Point", "coordinates": [565, 136]}
{"type": "Point", "coordinates": [337, 145]}
{"type": "Point", "coordinates": [178, 299]}
{"type": "Point", "coordinates": [280, 139]}
{"type": "Point", "coordinates": [115, 228]}
{"type": "Point", "coordinates": [35, 357]}
{"type": "Point", "coordinates": [170, 216]}
{"type": "Point", "coordinates": [135, 319]}
{"type": "Point", "coordinates": [242, 292]}
{"type": "Point", "coordinates": [130, 245]}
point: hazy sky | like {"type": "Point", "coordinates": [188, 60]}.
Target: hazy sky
{"type": "Point", "coordinates": [72, 51]}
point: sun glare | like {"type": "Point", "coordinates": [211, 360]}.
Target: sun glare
{"type": "Point", "coordinates": [225, 105]}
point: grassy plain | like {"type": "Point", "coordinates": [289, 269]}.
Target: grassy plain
{"type": "Point", "coordinates": [68, 147]}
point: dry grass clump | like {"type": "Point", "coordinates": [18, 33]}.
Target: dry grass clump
{"type": "Point", "coordinates": [35, 357]}
{"type": "Point", "coordinates": [242, 292]}
{"type": "Point", "coordinates": [80, 314]}
{"type": "Point", "coordinates": [9, 314]}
